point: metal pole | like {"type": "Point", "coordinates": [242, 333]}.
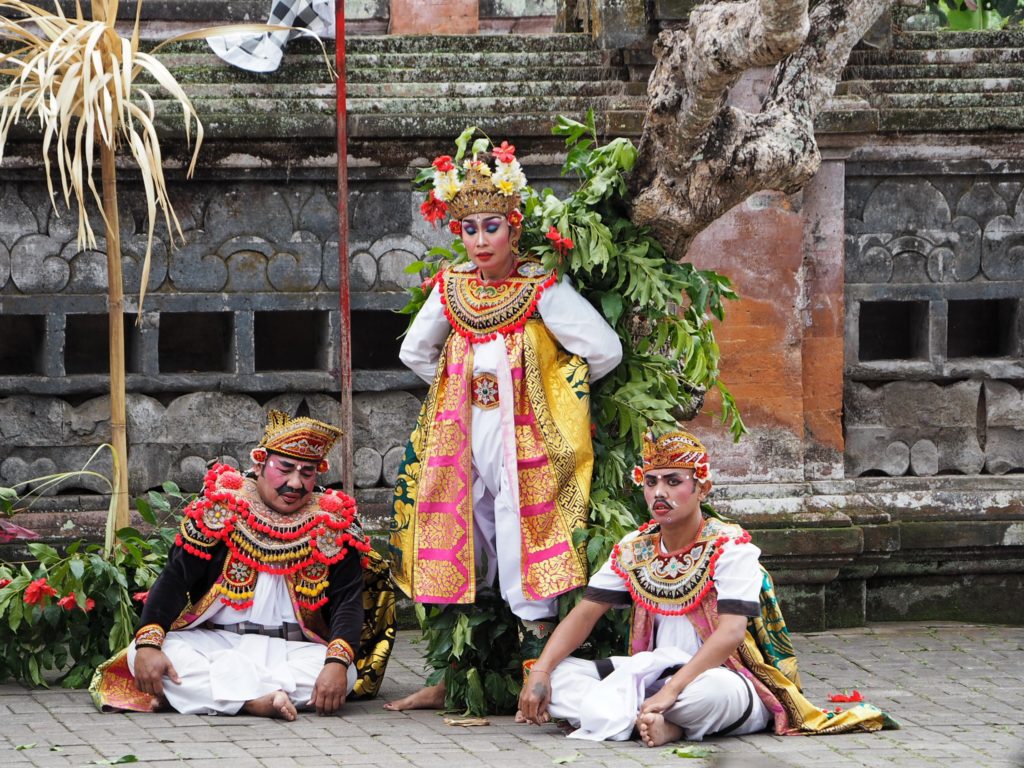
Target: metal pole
{"type": "Point", "coordinates": [345, 347]}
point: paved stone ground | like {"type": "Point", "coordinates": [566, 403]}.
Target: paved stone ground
{"type": "Point", "coordinates": [956, 688]}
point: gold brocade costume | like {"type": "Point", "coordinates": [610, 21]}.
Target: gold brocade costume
{"type": "Point", "coordinates": [431, 542]}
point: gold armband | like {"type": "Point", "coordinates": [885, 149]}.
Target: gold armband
{"type": "Point", "coordinates": [339, 650]}
{"type": "Point", "coordinates": [150, 636]}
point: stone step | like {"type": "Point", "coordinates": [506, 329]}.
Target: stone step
{"type": "Point", "coordinates": [951, 119]}
{"type": "Point", "coordinates": [937, 56]}
{"type": "Point", "coordinates": [925, 71]}
{"type": "Point", "coordinates": [466, 90]}
{"type": "Point", "coordinates": [950, 101]}
{"type": "Point", "coordinates": [485, 74]}
{"type": "Point", "coordinates": [470, 61]}
{"type": "Point", "coordinates": [869, 88]}
{"type": "Point", "coordinates": [1006, 38]}
{"type": "Point", "coordinates": [477, 106]}
{"type": "Point", "coordinates": [464, 44]}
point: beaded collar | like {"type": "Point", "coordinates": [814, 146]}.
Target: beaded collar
{"type": "Point", "coordinates": [680, 579]}
{"type": "Point", "coordinates": [479, 310]}
{"type": "Point", "coordinates": [302, 545]}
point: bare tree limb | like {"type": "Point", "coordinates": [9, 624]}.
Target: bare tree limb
{"type": "Point", "coordinates": [699, 156]}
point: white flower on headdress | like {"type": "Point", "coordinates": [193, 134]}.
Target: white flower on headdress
{"type": "Point", "coordinates": [702, 470]}
{"type": "Point", "coordinates": [447, 185]}
{"type": "Point", "coordinates": [509, 177]}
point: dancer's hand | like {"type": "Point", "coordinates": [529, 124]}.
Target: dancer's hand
{"type": "Point", "coordinates": [151, 664]}
{"type": "Point", "coordinates": [660, 702]}
{"type": "Point", "coordinates": [535, 697]}
{"type": "Point", "coordinates": [330, 689]}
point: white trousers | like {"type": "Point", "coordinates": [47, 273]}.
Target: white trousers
{"type": "Point", "coordinates": [496, 535]}
{"type": "Point", "coordinates": [220, 671]}
{"type": "Point", "coordinates": [605, 709]}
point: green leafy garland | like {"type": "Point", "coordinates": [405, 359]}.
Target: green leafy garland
{"type": "Point", "coordinates": [662, 311]}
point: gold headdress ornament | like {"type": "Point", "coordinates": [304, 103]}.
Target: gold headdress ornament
{"type": "Point", "coordinates": [479, 194]}
{"type": "Point", "coordinates": [299, 438]}
{"type": "Point", "coordinates": [674, 450]}
{"type": "Point", "coordinates": [475, 186]}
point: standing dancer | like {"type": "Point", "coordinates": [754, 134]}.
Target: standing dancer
{"type": "Point", "coordinates": [497, 472]}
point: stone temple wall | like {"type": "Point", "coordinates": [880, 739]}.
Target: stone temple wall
{"type": "Point", "coordinates": [935, 320]}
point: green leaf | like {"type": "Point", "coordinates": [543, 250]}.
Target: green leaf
{"type": "Point", "coordinates": [145, 511]}
{"type": "Point", "coordinates": [117, 761]}
{"type": "Point", "coordinates": [462, 141]}
{"type": "Point", "coordinates": [566, 759]}
{"type": "Point", "coordinates": [25, 746]}
{"type": "Point", "coordinates": [171, 488]}
{"type": "Point", "coordinates": [44, 553]}
{"type": "Point", "coordinates": [77, 567]}
{"type": "Point", "coordinates": [694, 752]}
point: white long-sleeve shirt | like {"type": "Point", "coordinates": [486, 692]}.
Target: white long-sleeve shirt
{"type": "Point", "coordinates": [578, 327]}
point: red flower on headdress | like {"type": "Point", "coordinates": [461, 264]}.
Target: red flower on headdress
{"type": "Point", "coordinates": [515, 218]}
{"type": "Point", "coordinates": [561, 244]}
{"type": "Point", "coordinates": [701, 469]}
{"type": "Point", "coordinates": [506, 153]}
{"type": "Point", "coordinates": [433, 210]}
{"type": "Point", "coordinates": [37, 590]}
{"type": "Point", "coordinates": [638, 476]}
{"type": "Point", "coordinates": [455, 227]}
{"type": "Point", "coordinates": [443, 163]}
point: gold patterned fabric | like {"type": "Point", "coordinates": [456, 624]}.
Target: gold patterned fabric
{"type": "Point", "coordinates": [477, 309]}
{"type": "Point", "coordinates": [302, 545]}
{"type": "Point", "coordinates": [431, 541]}
{"type": "Point", "coordinates": [680, 579]}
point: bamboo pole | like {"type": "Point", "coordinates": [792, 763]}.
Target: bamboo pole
{"type": "Point", "coordinates": [115, 312]}
{"type": "Point", "coordinates": [345, 347]}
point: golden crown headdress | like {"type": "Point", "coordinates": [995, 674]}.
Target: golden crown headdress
{"type": "Point", "coordinates": [299, 438]}
{"type": "Point", "coordinates": [475, 186]}
{"type": "Point", "coordinates": [678, 449]}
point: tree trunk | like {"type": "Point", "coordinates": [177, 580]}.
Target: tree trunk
{"type": "Point", "coordinates": [698, 156]}
{"type": "Point", "coordinates": [115, 310]}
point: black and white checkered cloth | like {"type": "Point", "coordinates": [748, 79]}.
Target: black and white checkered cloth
{"type": "Point", "coordinates": [263, 52]}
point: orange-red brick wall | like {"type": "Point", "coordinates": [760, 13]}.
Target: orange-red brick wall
{"type": "Point", "coordinates": [434, 17]}
{"type": "Point", "coordinates": [782, 342]}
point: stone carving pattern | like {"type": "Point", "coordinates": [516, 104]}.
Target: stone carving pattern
{"type": "Point", "coordinates": [41, 435]}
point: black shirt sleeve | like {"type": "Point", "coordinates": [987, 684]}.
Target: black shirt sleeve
{"type": "Point", "coordinates": [344, 609]}
{"type": "Point", "coordinates": [184, 579]}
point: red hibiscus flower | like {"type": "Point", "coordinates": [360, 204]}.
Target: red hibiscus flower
{"type": "Point", "coordinates": [37, 591]}
{"type": "Point", "coordinates": [89, 604]}
{"type": "Point", "coordinates": [67, 602]}
{"type": "Point", "coordinates": [4, 583]}
{"type": "Point", "coordinates": [433, 210]}
{"type": "Point", "coordinates": [846, 697]}
{"type": "Point", "coordinates": [561, 244]}
{"type": "Point", "coordinates": [455, 227]}
{"type": "Point", "coordinates": [506, 153]}
{"type": "Point", "coordinates": [443, 163]}
{"type": "Point", "coordinates": [515, 218]}
{"type": "Point", "coordinates": [141, 597]}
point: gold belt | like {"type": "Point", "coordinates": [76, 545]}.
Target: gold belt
{"type": "Point", "coordinates": [485, 391]}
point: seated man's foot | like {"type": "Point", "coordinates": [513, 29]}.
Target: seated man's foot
{"type": "Point", "coordinates": [431, 697]}
{"type": "Point", "coordinates": [655, 730]}
{"type": "Point", "coordinates": [520, 718]}
{"type": "Point", "coordinates": [276, 704]}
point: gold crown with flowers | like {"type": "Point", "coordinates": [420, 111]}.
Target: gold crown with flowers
{"type": "Point", "coordinates": [480, 195]}
{"type": "Point", "coordinates": [678, 449]}
{"type": "Point", "coordinates": [298, 438]}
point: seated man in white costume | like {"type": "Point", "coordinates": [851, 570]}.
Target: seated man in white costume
{"type": "Point", "coordinates": [693, 582]}
{"type": "Point", "coordinates": [260, 607]}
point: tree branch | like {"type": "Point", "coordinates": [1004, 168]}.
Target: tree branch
{"type": "Point", "coordinates": [698, 156]}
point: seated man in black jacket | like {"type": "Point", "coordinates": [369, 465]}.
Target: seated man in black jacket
{"type": "Point", "coordinates": [260, 606]}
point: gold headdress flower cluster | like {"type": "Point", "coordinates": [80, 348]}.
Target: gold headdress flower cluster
{"type": "Point", "coordinates": [299, 438]}
{"type": "Point", "coordinates": [674, 450]}
{"type": "Point", "coordinates": [474, 187]}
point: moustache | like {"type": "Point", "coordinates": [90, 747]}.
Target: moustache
{"type": "Point", "coordinates": [285, 488]}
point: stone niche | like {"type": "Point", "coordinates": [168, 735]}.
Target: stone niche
{"type": "Point", "coordinates": [935, 311]}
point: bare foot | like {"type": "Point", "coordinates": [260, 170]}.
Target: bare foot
{"type": "Point", "coordinates": [431, 697]}
{"type": "Point", "coordinates": [520, 718]}
{"type": "Point", "coordinates": [655, 730]}
{"type": "Point", "coordinates": [276, 704]}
